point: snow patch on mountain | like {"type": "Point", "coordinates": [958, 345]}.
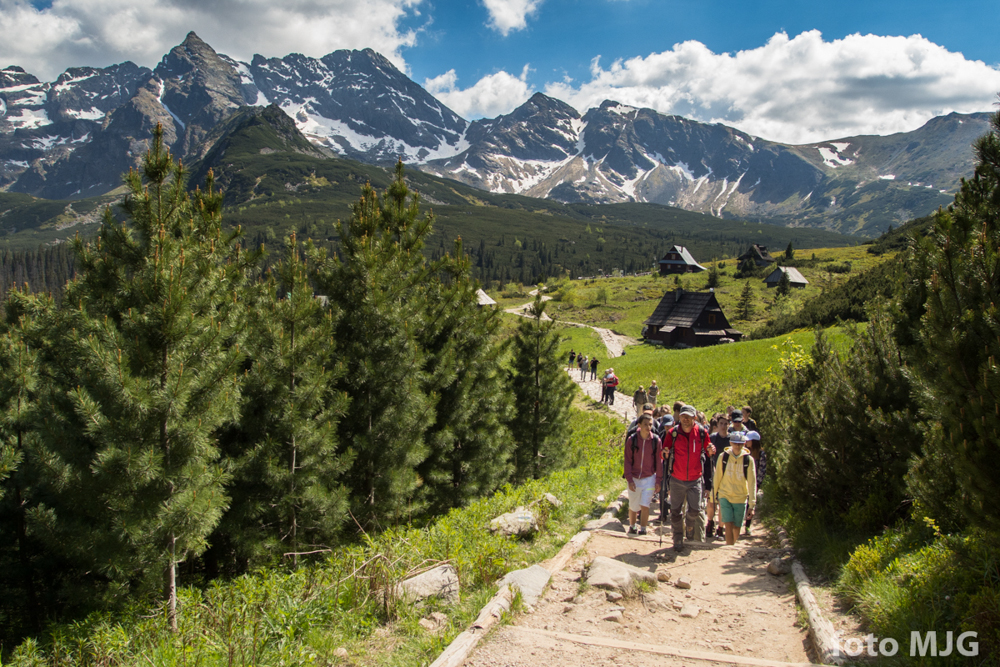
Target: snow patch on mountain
{"type": "Point", "coordinates": [832, 158]}
{"type": "Point", "coordinates": [93, 113]}
{"type": "Point", "coordinates": [163, 104]}
{"type": "Point", "coordinates": [29, 119]}
{"type": "Point", "coordinates": [70, 83]}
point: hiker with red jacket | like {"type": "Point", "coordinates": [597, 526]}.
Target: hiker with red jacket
{"type": "Point", "coordinates": [643, 471]}
{"type": "Point", "coordinates": [685, 445]}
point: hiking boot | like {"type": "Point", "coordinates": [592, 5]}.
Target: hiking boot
{"type": "Point", "coordinates": [679, 547]}
{"type": "Point", "coordinates": [720, 532]}
{"type": "Point", "coordinates": [642, 531]}
{"type": "Point", "coordinates": [709, 531]}
{"type": "Point", "coordinates": [632, 530]}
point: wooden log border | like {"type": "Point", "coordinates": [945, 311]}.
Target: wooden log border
{"type": "Point", "coordinates": [821, 631]}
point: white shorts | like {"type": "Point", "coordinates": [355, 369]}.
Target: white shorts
{"type": "Point", "coordinates": [643, 494]}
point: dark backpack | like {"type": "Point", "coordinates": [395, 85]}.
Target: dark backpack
{"type": "Point", "coordinates": [635, 447]}
{"type": "Point", "coordinates": [746, 464]}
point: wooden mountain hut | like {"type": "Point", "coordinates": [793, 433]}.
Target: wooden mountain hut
{"type": "Point", "coordinates": [794, 277]}
{"type": "Point", "coordinates": [692, 319]}
{"type": "Point", "coordinates": [759, 255]}
{"type": "Point", "coordinates": [679, 260]}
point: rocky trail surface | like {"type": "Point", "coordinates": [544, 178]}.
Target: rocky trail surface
{"type": "Point", "coordinates": [733, 613]}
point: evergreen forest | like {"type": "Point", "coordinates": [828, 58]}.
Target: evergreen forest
{"type": "Point", "coordinates": [187, 412]}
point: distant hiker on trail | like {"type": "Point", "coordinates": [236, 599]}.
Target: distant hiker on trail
{"type": "Point", "coordinates": [639, 399]}
{"type": "Point", "coordinates": [593, 368]}
{"type": "Point", "coordinates": [643, 470]}
{"type": "Point", "coordinates": [572, 359]}
{"type": "Point", "coordinates": [684, 446]}
{"type": "Point", "coordinates": [653, 392]}
{"type": "Point", "coordinates": [735, 485]}
{"type": "Point", "coordinates": [583, 366]}
{"type": "Point", "coordinates": [610, 385]}
{"type": "Point", "coordinates": [748, 420]}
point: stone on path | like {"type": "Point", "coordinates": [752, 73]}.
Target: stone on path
{"type": "Point", "coordinates": [663, 576]}
{"type": "Point", "coordinates": [613, 525]}
{"type": "Point", "coordinates": [441, 582]}
{"type": "Point", "coordinates": [531, 582]}
{"type": "Point", "coordinates": [615, 616]}
{"type": "Point", "coordinates": [613, 574]}
{"type": "Point", "coordinates": [689, 611]}
{"type": "Point", "coordinates": [613, 596]}
{"type": "Point", "coordinates": [521, 522]}
{"type": "Point", "coordinates": [779, 567]}
{"type": "Point", "coordinates": [683, 582]}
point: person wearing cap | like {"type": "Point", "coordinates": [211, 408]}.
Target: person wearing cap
{"type": "Point", "coordinates": [736, 421]}
{"type": "Point", "coordinates": [684, 446]}
{"type": "Point", "coordinates": [643, 470]}
{"type": "Point", "coordinates": [735, 485]}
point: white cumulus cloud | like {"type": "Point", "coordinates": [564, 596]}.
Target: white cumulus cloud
{"type": "Point", "coordinates": [509, 15]}
{"type": "Point", "coordinates": [102, 32]}
{"type": "Point", "coordinates": [797, 90]}
{"type": "Point", "coordinates": [492, 95]}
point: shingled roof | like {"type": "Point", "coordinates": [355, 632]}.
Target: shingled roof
{"type": "Point", "coordinates": [679, 311]}
{"type": "Point", "coordinates": [686, 258]}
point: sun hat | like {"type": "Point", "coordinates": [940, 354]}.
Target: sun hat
{"type": "Point", "coordinates": [753, 435]}
{"type": "Point", "coordinates": [738, 437]}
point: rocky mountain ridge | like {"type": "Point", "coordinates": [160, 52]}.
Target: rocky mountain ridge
{"type": "Point", "coordinates": [74, 137]}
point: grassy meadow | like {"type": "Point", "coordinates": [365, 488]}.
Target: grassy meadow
{"type": "Point", "coordinates": [623, 304]}
{"type": "Point", "coordinates": [710, 378]}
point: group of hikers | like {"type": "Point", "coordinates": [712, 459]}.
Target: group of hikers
{"type": "Point", "coordinates": [708, 473]}
{"type": "Point", "coordinates": [609, 381]}
{"type": "Point", "coordinates": [583, 364]}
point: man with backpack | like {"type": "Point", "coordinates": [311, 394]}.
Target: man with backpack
{"type": "Point", "coordinates": [735, 485]}
{"type": "Point", "coordinates": [684, 447]}
{"type": "Point", "coordinates": [643, 470]}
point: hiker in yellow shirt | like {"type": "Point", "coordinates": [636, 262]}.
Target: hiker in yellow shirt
{"type": "Point", "coordinates": [735, 484]}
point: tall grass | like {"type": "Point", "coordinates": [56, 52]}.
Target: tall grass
{"type": "Point", "coordinates": [710, 378]}
{"type": "Point", "coordinates": [301, 617]}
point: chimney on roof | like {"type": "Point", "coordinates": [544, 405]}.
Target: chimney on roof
{"type": "Point", "coordinates": [678, 294]}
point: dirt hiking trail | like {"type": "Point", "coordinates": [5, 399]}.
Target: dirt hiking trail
{"type": "Point", "coordinates": [733, 613]}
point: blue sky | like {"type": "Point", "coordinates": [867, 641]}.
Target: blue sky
{"type": "Point", "coordinates": [788, 71]}
{"type": "Point", "coordinates": [563, 36]}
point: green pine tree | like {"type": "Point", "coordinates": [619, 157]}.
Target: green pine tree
{"type": "Point", "coordinates": [468, 443]}
{"type": "Point", "coordinates": [784, 287]}
{"type": "Point", "coordinates": [288, 489]}
{"type": "Point", "coordinates": [747, 306]}
{"type": "Point", "coordinates": [26, 318]}
{"type": "Point", "coordinates": [542, 394]}
{"type": "Point", "coordinates": [790, 251]}
{"type": "Point", "coordinates": [377, 283]}
{"type": "Point", "coordinates": [152, 335]}
{"type": "Point", "coordinates": [959, 341]}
